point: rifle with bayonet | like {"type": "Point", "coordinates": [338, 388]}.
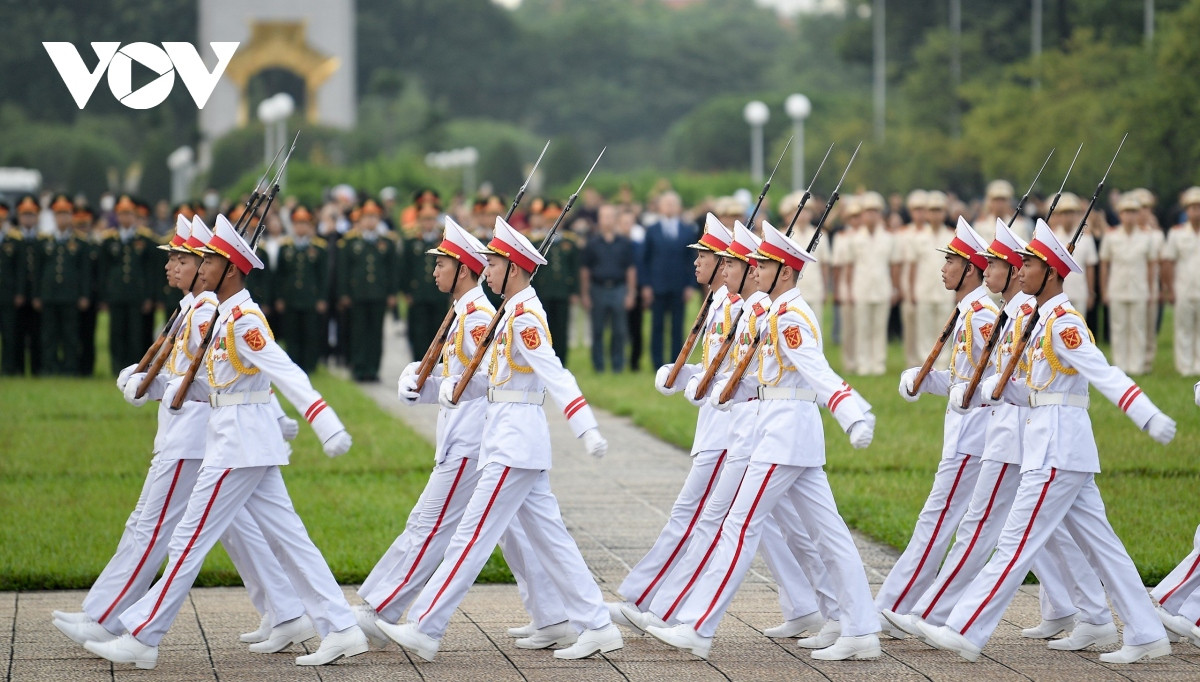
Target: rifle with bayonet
{"type": "Point", "coordinates": [743, 364]}
{"type": "Point", "coordinates": [489, 334]}
{"type": "Point", "coordinates": [429, 360]}
{"type": "Point", "coordinates": [198, 359]}
{"type": "Point", "coordinates": [1027, 333]}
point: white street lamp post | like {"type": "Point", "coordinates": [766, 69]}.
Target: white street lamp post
{"type": "Point", "coordinates": [756, 114]}
{"type": "Point", "coordinates": [181, 162]}
{"type": "Point", "coordinates": [798, 108]}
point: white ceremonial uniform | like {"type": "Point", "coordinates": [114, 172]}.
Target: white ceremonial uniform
{"type": "Point", "coordinates": [841, 257]}
{"type": "Point", "coordinates": [1075, 286]}
{"type": "Point", "coordinates": [401, 573]}
{"type": "Point", "coordinates": [1183, 249]}
{"type": "Point", "coordinates": [934, 302]}
{"type": "Point", "coordinates": [872, 254]}
{"type": "Point", "coordinates": [1181, 587]}
{"type": "Point", "coordinates": [905, 238]}
{"type": "Point", "coordinates": [957, 472]}
{"type": "Point", "coordinates": [793, 374]}
{"type": "Point", "coordinates": [514, 461]}
{"type": "Point", "coordinates": [1158, 241]}
{"type": "Point", "coordinates": [709, 452]}
{"type": "Point", "coordinates": [243, 452]}
{"type": "Point", "coordinates": [1058, 485]}
{"type": "Point", "coordinates": [1129, 255]}
{"type": "Point", "coordinates": [178, 454]}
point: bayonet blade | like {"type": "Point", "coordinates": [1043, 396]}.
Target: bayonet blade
{"type": "Point", "coordinates": [814, 177]}
{"type": "Point", "coordinates": [1064, 183]}
{"type": "Point", "coordinates": [848, 164]}
{"type": "Point", "coordinates": [1039, 173]}
{"type": "Point", "coordinates": [780, 160]}
{"type": "Point", "coordinates": [258, 187]}
{"type": "Point", "coordinates": [589, 173]}
{"type": "Point", "coordinates": [1114, 159]}
{"type": "Point", "coordinates": [283, 165]}
{"type": "Point", "coordinates": [535, 167]}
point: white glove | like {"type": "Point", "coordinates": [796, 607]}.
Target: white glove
{"type": "Point", "coordinates": [410, 368]}
{"type": "Point", "coordinates": [407, 389]}
{"type": "Point", "coordinates": [594, 443]}
{"type": "Point", "coordinates": [714, 396]}
{"type": "Point", "coordinates": [131, 387]}
{"type": "Point", "coordinates": [338, 444]}
{"type": "Point", "coordinates": [870, 419]}
{"type": "Point", "coordinates": [446, 393]}
{"type": "Point", "coordinates": [907, 388]}
{"type": "Point", "coordinates": [1161, 428]}
{"type": "Point", "coordinates": [689, 391]}
{"type": "Point", "coordinates": [861, 434]}
{"type": "Point", "coordinates": [1198, 393]}
{"type": "Point", "coordinates": [123, 377]}
{"type": "Point", "coordinates": [660, 381]}
{"type": "Point", "coordinates": [196, 392]}
{"type": "Point", "coordinates": [290, 428]}
{"type": "Point", "coordinates": [957, 392]}
{"type": "Point", "coordinates": [987, 387]}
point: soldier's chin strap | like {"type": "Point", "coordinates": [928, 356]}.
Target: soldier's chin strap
{"type": "Point", "coordinates": [1045, 279]}
{"type": "Point", "coordinates": [1008, 278]}
{"type": "Point", "coordinates": [963, 277]}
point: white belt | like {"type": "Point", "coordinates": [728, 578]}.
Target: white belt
{"type": "Point", "coordinates": [247, 398]}
{"type": "Point", "coordinates": [1041, 398]}
{"type": "Point", "coordinates": [787, 393]}
{"type": "Point", "coordinates": [498, 395]}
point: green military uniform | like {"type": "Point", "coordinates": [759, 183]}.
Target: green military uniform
{"type": "Point", "coordinates": [261, 285]}
{"type": "Point", "coordinates": [427, 305]}
{"type": "Point", "coordinates": [87, 318]}
{"type": "Point", "coordinates": [301, 282]}
{"type": "Point", "coordinates": [368, 271]}
{"type": "Point", "coordinates": [28, 323]}
{"type": "Point", "coordinates": [63, 281]}
{"type": "Point", "coordinates": [12, 284]}
{"type": "Point", "coordinates": [127, 284]}
{"type": "Point", "coordinates": [557, 282]}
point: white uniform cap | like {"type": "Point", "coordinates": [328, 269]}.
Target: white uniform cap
{"type": "Point", "coordinates": [200, 234]}
{"type": "Point", "coordinates": [1006, 246]}
{"type": "Point", "coordinates": [183, 230]}
{"type": "Point", "coordinates": [462, 246]}
{"type": "Point", "coordinates": [744, 243]}
{"type": "Point", "coordinates": [716, 237]}
{"type": "Point", "coordinates": [1190, 196]}
{"type": "Point", "coordinates": [1045, 245]}
{"type": "Point", "coordinates": [513, 245]}
{"type": "Point", "coordinates": [999, 189]}
{"type": "Point", "coordinates": [228, 243]}
{"type": "Point", "coordinates": [968, 244]}
{"type": "Point", "coordinates": [781, 249]}
{"type": "Point", "coordinates": [872, 201]}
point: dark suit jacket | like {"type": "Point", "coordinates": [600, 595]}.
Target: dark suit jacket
{"type": "Point", "coordinates": [666, 264]}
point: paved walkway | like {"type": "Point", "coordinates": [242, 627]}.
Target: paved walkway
{"type": "Point", "coordinates": [615, 508]}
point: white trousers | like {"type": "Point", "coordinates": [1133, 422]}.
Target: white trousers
{"type": "Point", "coordinates": [1187, 336]}
{"type": "Point", "coordinates": [1182, 582]}
{"type": "Point", "coordinates": [762, 488]}
{"type": "Point", "coordinates": [914, 353]}
{"type": "Point", "coordinates": [917, 567]}
{"type": "Point", "coordinates": [218, 497]}
{"type": "Point", "coordinates": [401, 573]}
{"type": "Point", "coordinates": [143, 547]}
{"type": "Point", "coordinates": [995, 490]}
{"type": "Point", "coordinates": [849, 339]}
{"type": "Point", "coordinates": [1128, 327]}
{"type": "Point", "coordinates": [504, 493]}
{"type": "Point", "coordinates": [931, 320]}
{"type": "Point", "coordinates": [870, 337]}
{"type": "Point", "coordinates": [1046, 499]}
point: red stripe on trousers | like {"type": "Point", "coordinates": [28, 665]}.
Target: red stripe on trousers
{"type": "Point", "coordinates": [712, 546]}
{"type": "Point", "coordinates": [738, 552]}
{"type": "Point", "coordinates": [424, 546]}
{"type": "Point", "coordinates": [683, 540]}
{"type": "Point", "coordinates": [199, 527]}
{"type": "Point", "coordinates": [937, 528]}
{"type": "Point", "coordinates": [1185, 579]}
{"type": "Point", "coordinates": [153, 538]}
{"type": "Point", "coordinates": [467, 549]}
{"type": "Point", "coordinates": [986, 512]}
{"type": "Point", "coordinates": [1016, 555]}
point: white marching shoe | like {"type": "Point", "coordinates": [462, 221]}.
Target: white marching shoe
{"type": "Point", "coordinates": [259, 635]}
{"type": "Point", "coordinates": [1085, 635]}
{"type": "Point", "coordinates": [904, 622]}
{"type": "Point", "coordinates": [829, 634]}
{"type": "Point", "coordinates": [796, 626]}
{"type": "Point", "coordinates": [1048, 628]}
{"type": "Point", "coordinates": [861, 648]}
{"type": "Point", "coordinates": [525, 630]}
{"type": "Point", "coordinates": [126, 649]}
{"type": "Point", "coordinates": [84, 631]}
{"type": "Point", "coordinates": [1132, 653]}
{"type": "Point", "coordinates": [284, 635]}
{"type": "Point", "coordinates": [942, 637]}
{"type": "Point", "coordinates": [71, 616]}
{"type": "Point", "coordinates": [617, 614]}
{"type": "Point", "coordinates": [640, 620]}
{"type": "Point", "coordinates": [559, 634]}
{"type": "Point", "coordinates": [1179, 626]}
{"type": "Point", "coordinates": [601, 640]}
{"type": "Point", "coordinates": [337, 645]}
{"type": "Point", "coordinates": [368, 621]}
{"type": "Point", "coordinates": [412, 639]}
{"type": "Point", "coordinates": [683, 637]}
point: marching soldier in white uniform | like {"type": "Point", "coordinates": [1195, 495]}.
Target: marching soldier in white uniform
{"type": "Point", "coordinates": [401, 573]}
{"type": "Point", "coordinates": [178, 455]}
{"type": "Point", "coordinates": [812, 285]}
{"type": "Point", "coordinates": [1178, 595]}
{"type": "Point", "coordinates": [963, 443]}
{"type": "Point", "coordinates": [1058, 487]}
{"type": "Point", "coordinates": [1078, 286]}
{"type": "Point", "coordinates": [514, 461]}
{"type": "Point", "coordinates": [792, 375]}
{"type": "Point", "coordinates": [932, 300]}
{"type": "Point", "coordinates": [905, 244]}
{"type": "Point", "coordinates": [1127, 258]}
{"type": "Point", "coordinates": [244, 450]}
{"type": "Point", "coordinates": [1181, 283]}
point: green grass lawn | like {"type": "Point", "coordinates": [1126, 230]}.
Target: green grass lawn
{"type": "Point", "coordinates": [75, 455]}
{"type": "Point", "coordinates": [1148, 488]}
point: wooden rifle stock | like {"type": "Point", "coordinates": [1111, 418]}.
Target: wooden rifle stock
{"type": "Point", "coordinates": [739, 370]}
{"type": "Point", "coordinates": [985, 359]}
{"type": "Point", "coordinates": [477, 359]}
{"type": "Point", "coordinates": [435, 349]}
{"type": "Point", "coordinates": [693, 337]}
{"type": "Point", "coordinates": [153, 349]}
{"type": "Point", "coordinates": [933, 354]}
{"type": "Point", "coordinates": [155, 367]}
{"type": "Point", "coordinates": [717, 360]}
{"type": "Point", "coordinates": [1018, 351]}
